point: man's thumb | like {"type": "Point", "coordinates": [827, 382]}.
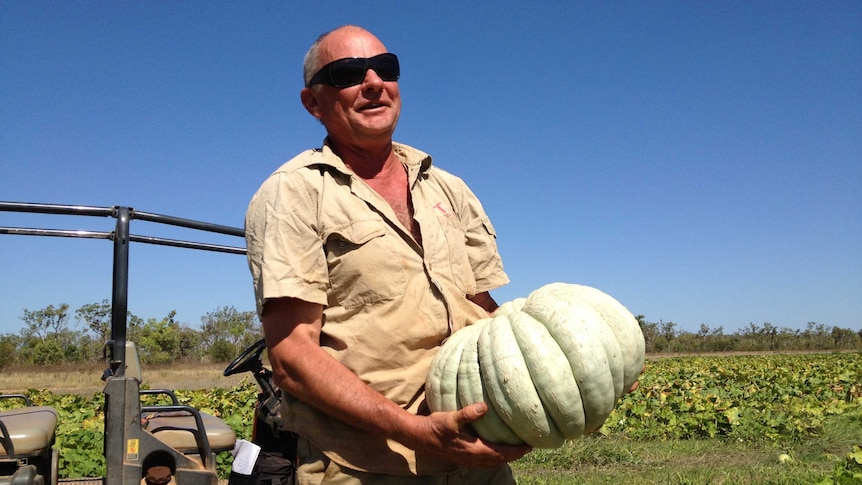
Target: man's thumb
{"type": "Point", "coordinates": [474, 411]}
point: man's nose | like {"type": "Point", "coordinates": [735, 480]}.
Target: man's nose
{"type": "Point", "coordinates": [372, 80]}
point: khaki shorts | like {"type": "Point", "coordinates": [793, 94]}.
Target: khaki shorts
{"type": "Point", "coordinates": [316, 469]}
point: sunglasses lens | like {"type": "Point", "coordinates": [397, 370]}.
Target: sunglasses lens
{"type": "Point", "coordinates": [347, 72]}
{"type": "Point", "coordinates": [386, 66]}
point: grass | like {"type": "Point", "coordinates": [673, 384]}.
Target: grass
{"type": "Point", "coordinates": [600, 460]}
{"type": "Point", "coordinates": [86, 378]}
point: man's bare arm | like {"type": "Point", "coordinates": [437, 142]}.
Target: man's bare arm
{"type": "Point", "coordinates": [484, 300]}
{"type": "Point", "coordinates": [302, 368]}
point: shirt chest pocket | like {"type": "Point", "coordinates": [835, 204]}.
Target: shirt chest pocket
{"type": "Point", "coordinates": [452, 256]}
{"type": "Point", "coordinates": [365, 264]}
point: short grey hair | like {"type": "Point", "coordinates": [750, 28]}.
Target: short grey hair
{"type": "Point", "coordinates": [311, 63]}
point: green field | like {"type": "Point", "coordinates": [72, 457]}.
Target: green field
{"type": "Point", "coordinates": [723, 420]}
{"type": "Point", "coordinates": [783, 419]}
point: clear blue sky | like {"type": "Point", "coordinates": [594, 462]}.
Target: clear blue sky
{"type": "Point", "coordinates": [699, 161]}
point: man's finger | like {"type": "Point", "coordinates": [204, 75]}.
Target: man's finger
{"type": "Point", "coordinates": [473, 412]}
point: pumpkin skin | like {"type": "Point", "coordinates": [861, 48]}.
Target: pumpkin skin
{"type": "Point", "coordinates": [551, 366]}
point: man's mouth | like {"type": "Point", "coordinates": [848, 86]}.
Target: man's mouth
{"type": "Point", "coordinates": [372, 106]}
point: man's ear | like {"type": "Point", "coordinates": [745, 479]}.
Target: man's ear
{"type": "Point", "coordinates": [310, 101]}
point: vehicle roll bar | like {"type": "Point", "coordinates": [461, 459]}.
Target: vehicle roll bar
{"type": "Point", "coordinates": [121, 237]}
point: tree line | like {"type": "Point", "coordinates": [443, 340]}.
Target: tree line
{"type": "Point", "coordinates": [665, 337]}
{"type": "Point", "coordinates": [54, 335]}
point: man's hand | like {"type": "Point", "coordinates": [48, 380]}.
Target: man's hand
{"type": "Point", "coordinates": [446, 434]}
{"type": "Point", "coordinates": [637, 382]}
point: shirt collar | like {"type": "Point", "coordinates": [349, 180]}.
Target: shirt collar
{"type": "Point", "coordinates": [415, 160]}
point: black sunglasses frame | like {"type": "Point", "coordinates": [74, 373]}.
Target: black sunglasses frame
{"type": "Point", "coordinates": [357, 67]}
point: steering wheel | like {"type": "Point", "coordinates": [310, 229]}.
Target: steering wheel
{"type": "Point", "coordinates": [248, 361]}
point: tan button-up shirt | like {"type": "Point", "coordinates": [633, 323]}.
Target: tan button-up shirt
{"type": "Point", "coordinates": [316, 232]}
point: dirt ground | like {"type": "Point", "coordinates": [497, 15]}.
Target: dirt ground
{"type": "Point", "coordinates": [86, 379]}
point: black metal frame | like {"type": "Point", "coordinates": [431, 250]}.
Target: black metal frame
{"type": "Point", "coordinates": [121, 237]}
{"type": "Point", "coordinates": [119, 424]}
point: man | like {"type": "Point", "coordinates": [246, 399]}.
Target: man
{"type": "Point", "coordinates": [365, 258]}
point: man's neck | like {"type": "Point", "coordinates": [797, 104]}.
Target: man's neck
{"type": "Point", "coordinates": [368, 162]}
{"type": "Point", "coordinates": [382, 170]}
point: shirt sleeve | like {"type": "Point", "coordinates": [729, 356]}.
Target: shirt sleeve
{"type": "Point", "coordinates": [481, 240]}
{"type": "Point", "coordinates": [285, 251]}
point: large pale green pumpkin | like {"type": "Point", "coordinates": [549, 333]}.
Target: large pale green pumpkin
{"type": "Point", "coordinates": [551, 366]}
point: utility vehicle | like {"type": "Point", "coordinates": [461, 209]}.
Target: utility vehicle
{"type": "Point", "coordinates": [142, 444]}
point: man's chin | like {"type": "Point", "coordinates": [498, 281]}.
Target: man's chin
{"type": "Point", "coordinates": [380, 129]}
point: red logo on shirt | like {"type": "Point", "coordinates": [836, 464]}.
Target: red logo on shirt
{"type": "Point", "coordinates": [439, 207]}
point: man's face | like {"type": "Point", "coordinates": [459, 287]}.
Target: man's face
{"type": "Point", "coordinates": [355, 115]}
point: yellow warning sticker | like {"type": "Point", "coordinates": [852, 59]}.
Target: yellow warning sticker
{"type": "Point", "coordinates": [132, 449]}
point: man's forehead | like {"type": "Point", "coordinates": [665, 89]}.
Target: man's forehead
{"type": "Point", "coordinates": [349, 43]}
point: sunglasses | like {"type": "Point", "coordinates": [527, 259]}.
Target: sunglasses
{"type": "Point", "coordinates": [351, 71]}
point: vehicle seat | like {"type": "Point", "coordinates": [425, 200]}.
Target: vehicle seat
{"type": "Point", "coordinates": [177, 428]}
{"type": "Point", "coordinates": [29, 430]}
